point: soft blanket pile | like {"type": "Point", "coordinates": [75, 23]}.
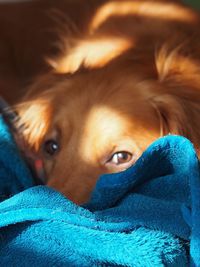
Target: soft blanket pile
{"type": "Point", "coordinates": [148, 215]}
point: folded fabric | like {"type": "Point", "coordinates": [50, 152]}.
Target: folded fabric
{"type": "Point", "coordinates": [148, 215]}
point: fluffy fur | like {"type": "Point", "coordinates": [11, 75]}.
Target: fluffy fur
{"type": "Point", "coordinates": [100, 78]}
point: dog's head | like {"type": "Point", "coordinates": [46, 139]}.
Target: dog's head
{"type": "Point", "coordinates": [87, 125]}
{"type": "Point", "coordinates": [100, 121]}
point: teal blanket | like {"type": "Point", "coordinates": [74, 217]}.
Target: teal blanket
{"type": "Point", "coordinates": [148, 215]}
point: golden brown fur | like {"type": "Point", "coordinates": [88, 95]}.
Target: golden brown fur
{"type": "Point", "coordinates": [98, 78]}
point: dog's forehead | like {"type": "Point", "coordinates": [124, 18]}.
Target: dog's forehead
{"type": "Point", "coordinates": [101, 129]}
{"type": "Point", "coordinates": [101, 104]}
{"type": "Point", "coordinates": [95, 120]}
{"type": "Point", "coordinates": [104, 118]}
{"type": "Point", "coordinates": [101, 101]}
{"type": "Point", "coordinates": [99, 87]}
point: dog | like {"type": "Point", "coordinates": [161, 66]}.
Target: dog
{"type": "Point", "coordinates": [96, 82]}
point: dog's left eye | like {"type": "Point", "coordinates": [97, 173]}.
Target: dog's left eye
{"type": "Point", "coordinates": [120, 157]}
{"type": "Point", "coordinates": [51, 147]}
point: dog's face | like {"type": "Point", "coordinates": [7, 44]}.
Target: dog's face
{"type": "Point", "coordinates": [99, 121]}
{"type": "Point", "coordinates": [96, 126]}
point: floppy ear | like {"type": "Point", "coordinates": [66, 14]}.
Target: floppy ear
{"type": "Point", "coordinates": [177, 97]}
{"type": "Point", "coordinates": [178, 116]}
{"type": "Point", "coordinates": [172, 114]}
{"type": "Point", "coordinates": [34, 121]}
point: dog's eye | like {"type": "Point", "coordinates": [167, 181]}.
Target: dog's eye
{"type": "Point", "coordinates": [120, 157]}
{"type": "Point", "coordinates": [51, 147]}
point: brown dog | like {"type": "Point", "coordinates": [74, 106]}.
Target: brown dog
{"type": "Point", "coordinates": [95, 83]}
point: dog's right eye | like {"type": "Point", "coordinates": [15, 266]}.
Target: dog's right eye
{"type": "Point", "coordinates": [51, 147]}
{"type": "Point", "coordinates": [121, 157]}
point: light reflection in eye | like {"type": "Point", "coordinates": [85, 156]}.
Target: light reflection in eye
{"type": "Point", "coordinates": [120, 157]}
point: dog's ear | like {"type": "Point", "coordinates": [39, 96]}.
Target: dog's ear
{"type": "Point", "coordinates": [177, 96]}
{"type": "Point", "coordinates": [172, 114]}
{"type": "Point", "coordinates": [178, 65]}
{"type": "Point", "coordinates": [178, 116]}
{"type": "Point", "coordinates": [34, 120]}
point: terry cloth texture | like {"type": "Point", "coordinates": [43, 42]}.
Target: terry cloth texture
{"type": "Point", "coordinates": [148, 215]}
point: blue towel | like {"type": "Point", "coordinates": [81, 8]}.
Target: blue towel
{"type": "Point", "coordinates": [148, 215]}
